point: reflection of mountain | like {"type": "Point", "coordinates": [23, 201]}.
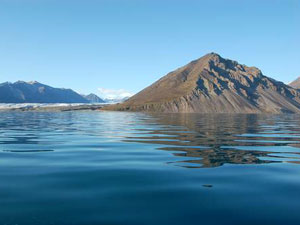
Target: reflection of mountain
{"type": "Point", "coordinates": [215, 157]}
{"type": "Point", "coordinates": [215, 140]}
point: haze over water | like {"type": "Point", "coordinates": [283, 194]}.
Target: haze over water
{"type": "Point", "coordinates": [109, 168]}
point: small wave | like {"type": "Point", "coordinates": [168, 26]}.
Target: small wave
{"type": "Point", "coordinates": [27, 151]}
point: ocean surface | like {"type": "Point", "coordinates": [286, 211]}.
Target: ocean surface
{"type": "Point", "coordinates": [122, 168]}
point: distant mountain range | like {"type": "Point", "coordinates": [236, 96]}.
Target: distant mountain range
{"type": "Point", "coordinates": [212, 84]}
{"type": "Point", "coordinates": [35, 92]}
{"type": "Point", "coordinates": [115, 100]}
{"type": "Point", "coordinates": [92, 98]}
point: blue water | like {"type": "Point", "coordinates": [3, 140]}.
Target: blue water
{"type": "Point", "coordinates": [111, 168]}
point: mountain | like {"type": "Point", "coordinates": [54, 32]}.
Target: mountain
{"type": "Point", "coordinates": [212, 84]}
{"type": "Point", "coordinates": [35, 92]}
{"type": "Point", "coordinates": [92, 98]}
{"type": "Point", "coordinates": [115, 100]}
{"type": "Point", "coordinates": [295, 84]}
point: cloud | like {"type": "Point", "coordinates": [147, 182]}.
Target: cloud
{"type": "Point", "coordinates": [114, 93]}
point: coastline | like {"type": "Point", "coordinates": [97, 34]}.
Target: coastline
{"type": "Point", "coordinates": [49, 107]}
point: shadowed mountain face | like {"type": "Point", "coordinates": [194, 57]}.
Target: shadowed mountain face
{"type": "Point", "coordinates": [34, 92]}
{"type": "Point", "coordinates": [295, 84]}
{"type": "Point", "coordinates": [92, 98]}
{"type": "Point", "coordinates": [212, 84]}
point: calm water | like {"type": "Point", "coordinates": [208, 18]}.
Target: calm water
{"type": "Point", "coordinates": [111, 168]}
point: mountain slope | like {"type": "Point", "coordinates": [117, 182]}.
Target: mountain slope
{"type": "Point", "coordinates": [212, 84]}
{"type": "Point", "coordinates": [34, 92]}
{"type": "Point", "coordinates": [92, 98]}
{"type": "Point", "coordinates": [295, 84]}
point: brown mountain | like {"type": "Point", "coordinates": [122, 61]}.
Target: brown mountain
{"type": "Point", "coordinates": [295, 84]}
{"type": "Point", "coordinates": [213, 84]}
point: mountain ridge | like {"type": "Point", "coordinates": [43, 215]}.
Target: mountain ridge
{"type": "Point", "coordinates": [295, 84]}
{"type": "Point", "coordinates": [35, 92]}
{"type": "Point", "coordinates": [93, 98]}
{"type": "Point", "coordinates": [212, 84]}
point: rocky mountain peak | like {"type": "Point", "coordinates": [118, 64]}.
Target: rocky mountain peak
{"type": "Point", "coordinates": [93, 98]}
{"type": "Point", "coordinates": [215, 84]}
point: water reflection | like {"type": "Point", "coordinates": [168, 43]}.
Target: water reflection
{"type": "Point", "coordinates": [196, 140]}
{"type": "Point", "coordinates": [216, 140]}
{"type": "Point", "coordinates": [82, 167]}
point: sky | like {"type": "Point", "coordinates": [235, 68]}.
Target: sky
{"type": "Point", "coordinates": [122, 46]}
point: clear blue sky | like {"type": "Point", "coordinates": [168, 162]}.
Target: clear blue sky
{"type": "Point", "coordinates": [129, 44]}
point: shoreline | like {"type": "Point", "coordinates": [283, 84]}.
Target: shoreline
{"type": "Point", "coordinates": [49, 107]}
